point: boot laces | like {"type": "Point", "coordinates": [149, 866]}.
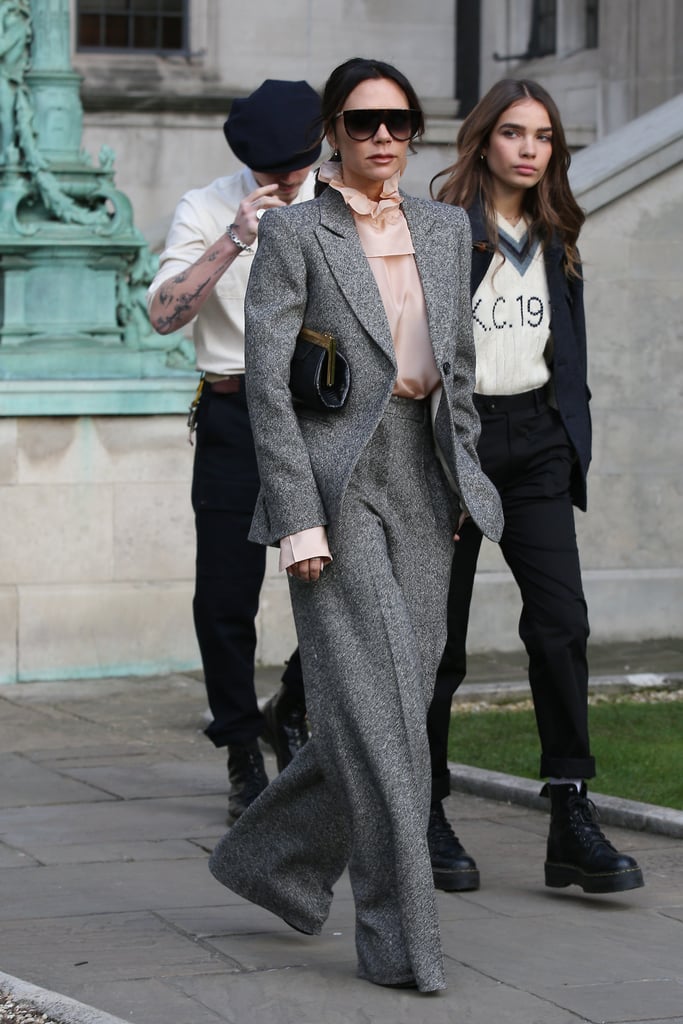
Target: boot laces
{"type": "Point", "coordinates": [584, 816]}
{"type": "Point", "coordinates": [245, 762]}
{"type": "Point", "coordinates": [440, 833]}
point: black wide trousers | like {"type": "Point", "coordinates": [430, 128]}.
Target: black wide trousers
{"type": "Point", "coordinates": [525, 451]}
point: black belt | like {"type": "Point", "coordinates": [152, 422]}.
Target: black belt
{"type": "Point", "coordinates": [536, 399]}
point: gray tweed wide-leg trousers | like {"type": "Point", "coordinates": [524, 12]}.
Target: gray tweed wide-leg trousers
{"type": "Point", "coordinates": [371, 633]}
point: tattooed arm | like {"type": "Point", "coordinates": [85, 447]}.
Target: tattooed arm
{"type": "Point", "coordinates": [179, 299]}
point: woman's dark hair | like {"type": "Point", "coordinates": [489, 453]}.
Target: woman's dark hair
{"type": "Point", "coordinates": [549, 205]}
{"type": "Point", "coordinates": [344, 80]}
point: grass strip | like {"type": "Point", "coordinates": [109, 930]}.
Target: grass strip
{"type": "Point", "coordinates": [638, 745]}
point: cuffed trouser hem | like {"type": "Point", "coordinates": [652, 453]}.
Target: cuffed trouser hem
{"type": "Point", "coordinates": [243, 740]}
{"type": "Point", "coordinates": [441, 786]}
{"type": "Point", "coordinates": [567, 767]}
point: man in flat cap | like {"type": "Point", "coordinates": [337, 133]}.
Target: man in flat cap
{"type": "Point", "coordinates": [203, 275]}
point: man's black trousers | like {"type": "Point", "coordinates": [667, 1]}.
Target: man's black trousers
{"type": "Point", "coordinates": [229, 568]}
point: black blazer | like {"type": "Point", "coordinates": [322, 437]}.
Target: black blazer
{"type": "Point", "coordinates": [569, 364]}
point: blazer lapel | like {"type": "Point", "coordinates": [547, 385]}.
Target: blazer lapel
{"type": "Point", "coordinates": [424, 231]}
{"type": "Point", "coordinates": [348, 263]}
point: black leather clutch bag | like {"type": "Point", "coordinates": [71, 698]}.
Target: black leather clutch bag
{"type": "Point", "coordinates": [319, 375]}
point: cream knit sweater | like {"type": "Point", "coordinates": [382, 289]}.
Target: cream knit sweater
{"type": "Point", "coordinates": [511, 311]}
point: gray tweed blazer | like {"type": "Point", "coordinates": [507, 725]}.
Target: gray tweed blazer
{"type": "Point", "coordinates": [310, 270]}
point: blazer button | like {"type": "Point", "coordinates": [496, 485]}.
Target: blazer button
{"type": "Point", "coordinates": [446, 368]}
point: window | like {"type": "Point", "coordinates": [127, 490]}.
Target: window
{"type": "Point", "coordinates": [542, 40]}
{"type": "Point", "coordinates": [592, 37]}
{"type": "Point", "coordinates": [562, 27]}
{"type": "Point", "coordinates": [156, 25]}
{"type": "Point", "coordinates": [467, 47]}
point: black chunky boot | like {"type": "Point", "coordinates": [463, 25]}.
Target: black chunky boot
{"type": "Point", "coordinates": [285, 730]}
{"type": "Point", "coordinates": [453, 868]}
{"type": "Point", "coordinates": [578, 852]}
{"type": "Point", "coordinates": [247, 777]}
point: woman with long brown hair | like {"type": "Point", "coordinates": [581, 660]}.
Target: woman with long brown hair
{"type": "Point", "coordinates": [532, 396]}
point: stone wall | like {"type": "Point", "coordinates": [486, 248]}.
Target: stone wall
{"type": "Point", "coordinates": [97, 547]}
{"type": "Point", "coordinates": [97, 551]}
{"type": "Point", "coordinates": [633, 248]}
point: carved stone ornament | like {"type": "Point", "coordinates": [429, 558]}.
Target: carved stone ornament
{"type": "Point", "coordinates": [74, 269]}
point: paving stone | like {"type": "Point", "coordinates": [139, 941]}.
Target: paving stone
{"type": "Point", "coordinates": [605, 1004]}
{"type": "Point", "coordinates": [237, 917]}
{"type": "Point", "coordinates": [275, 945]}
{"type": "Point", "coordinates": [11, 858]}
{"type": "Point", "coordinates": [90, 853]}
{"type": "Point", "coordinates": [276, 950]}
{"type": "Point", "coordinates": [25, 783]}
{"type": "Point", "coordinates": [68, 889]}
{"type": "Point", "coordinates": [664, 865]}
{"type": "Point", "coordinates": [29, 729]}
{"type": "Point", "coordinates": [100, 753]}
{"type": "Point", "coordinates": [147, 1001]}
{"type": "Point", "coordinates": [105, 947]}
{"type": "Point", "coordinates": [611, 949]}
{"type": "Point", "coordinates": [115, 821]}
{"type": "Point", "coordinates": [137, 719]}
{"type": "Point", "coordinates": [258, 940]}
{"type": "Point", "coordinates": [149, 780]}
{"type": "Point", "coordinates": [460, 906]}
{"type": "Point", "coordinates": [331, 994]}
{"type": "Point", "coordinates": [500, 896]}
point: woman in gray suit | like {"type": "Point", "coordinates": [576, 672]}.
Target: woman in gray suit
{"type": "Point", "coordinates": [363, 503]}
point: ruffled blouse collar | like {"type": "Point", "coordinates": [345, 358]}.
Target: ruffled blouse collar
{"type": "Point", "coordinates": [383, 210]}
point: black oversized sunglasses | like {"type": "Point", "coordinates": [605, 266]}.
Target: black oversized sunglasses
{"type": "Point", "coordinates": [361, 125]}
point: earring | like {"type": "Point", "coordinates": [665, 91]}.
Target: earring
{"type": "Point", "coordinates": [336, 155]}
{"type": "Point", "coordinates": [482, 156]}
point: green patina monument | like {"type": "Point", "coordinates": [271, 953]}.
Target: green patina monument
{"type": "Point", "coordinates": [73, 268]}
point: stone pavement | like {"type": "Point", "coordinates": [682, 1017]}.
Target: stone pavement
{"type": "Point", "coordinates": [111, 799]}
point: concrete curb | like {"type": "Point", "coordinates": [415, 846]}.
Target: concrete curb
{"type": "Point", "coordinates": [610, 685]}
{"type": "Point", "coordinates": [58, 1007]}
{"type": "Point", "coordinates": [525, 792]}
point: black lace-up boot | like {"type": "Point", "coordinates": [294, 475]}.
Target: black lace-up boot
{"type": "Point", "coordinates": [453, 868]}
{"type": "Point", "coordinates": [247, 777]}
{"type": "Point", "coordinates": [286, 730]}
{"type": "Point", "coordinates": [578, 852]}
